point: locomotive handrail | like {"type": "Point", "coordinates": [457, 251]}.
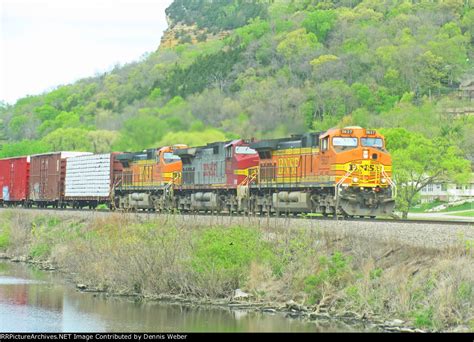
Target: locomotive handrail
{"type": "Point", "coordinates": [391, 182]}
{"type": "Point", "coordinates": [344, 177]}
{"type": "Point", "coordinates": [176, 175]}
{"type": "Point", "coordinates": [336, 195]}
{"type": "Point", "coordinates": [115, 184]}
{"type": "Point", "coordinates": [251, 176]}
{"type": "Point", "coordinates": [168, 190]}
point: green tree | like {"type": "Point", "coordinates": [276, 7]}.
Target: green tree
{"type": "Point", "coordinates": [194, 138]}
{"type": "Point", "coordinates": [102, 140]}
{"type": "Point", "coordinates": [298, 42]}
{"type": "Point", "coordinates": [320, 23]}
{"type": "Point", "coordinates": [451, 45]}
{"type": "Point", "coordinates": [140, 132]}
{"type": "Point", "coordinates": [23, 148]}
{"type": "Point", "coordinates": [432, 72]}
{"type": "Point", "coordinates": [418, 161]}
{"type": "Point", "coordinates": [333, 100]}
{"type": "Point", "coordinates": [63, 119]}
{"type": "Point", "coordinates": [17, 125]}
{"type": "Point", "coordinates": [68, 139]}
{"type": "Point", "coordinates": [251, 32]}
{"type": "Point", "coordinates": [46, 112]}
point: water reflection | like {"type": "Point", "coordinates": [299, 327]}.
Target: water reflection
{"type": "Point", "coordinates": [33, 301]}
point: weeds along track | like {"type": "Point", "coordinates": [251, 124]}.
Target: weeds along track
{"type": "Point", "coordinates": [421, 273]}
{"type": "Point", "coordinates": [413, 233]}
{"type": "Point", "coordinates": [260, 217]}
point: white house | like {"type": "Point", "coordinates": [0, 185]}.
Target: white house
{"type": "Point", "coordinates": [447, 192]}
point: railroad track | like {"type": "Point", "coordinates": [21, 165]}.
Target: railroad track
{"type": "Point", "coordinates": [283, 217]}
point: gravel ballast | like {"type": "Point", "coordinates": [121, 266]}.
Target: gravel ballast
{"type": "Point", "coordinates": [424, 235]}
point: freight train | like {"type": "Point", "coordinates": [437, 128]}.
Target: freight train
{"type": "Point", "coordinates": [343, 171]}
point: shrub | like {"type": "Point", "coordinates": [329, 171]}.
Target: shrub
{"type": "Point", "coordinates": [4, 236]}
{"type": "Point", "coordinates": [423, 318]}
{"type": "Point", "coordinates": [227, 249]}
{"type": "Point", "coordinates": [333, 273]}
{"type": "Point", "coordinates": [226, 254]}
{"type": "Point", "coordinates": [40, 250]}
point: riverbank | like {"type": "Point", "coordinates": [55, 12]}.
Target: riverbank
{"type": "Point", "coordinates": [311, 272]}
{"type": "Point", "coordinates": [44, 301]}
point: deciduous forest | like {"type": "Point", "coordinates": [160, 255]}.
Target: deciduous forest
{"type": "Point", "coordinates": [234, 68]}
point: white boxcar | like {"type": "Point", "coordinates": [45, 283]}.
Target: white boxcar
{"type": "Point", "coordinates": [89, 177]}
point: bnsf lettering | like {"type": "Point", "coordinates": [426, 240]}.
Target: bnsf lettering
{"type": "Point", "coordinates": [288, 165]}
{"type": "Point", "coordinates": [365, 167]}
{"type": "Point", "coordinates": [210, 170]}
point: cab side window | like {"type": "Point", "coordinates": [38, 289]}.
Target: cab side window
{"type": "Point", "coordinates": [228, 152]}
{"type": "Point", "coordinates": [324, 144]}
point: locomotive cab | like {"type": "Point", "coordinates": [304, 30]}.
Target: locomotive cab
{"type": "Point", "coordinates": [362, 169]}
{"type": "Point", "coordinates": [241, 159]}
{"type": "Point", "coordinates": [358, 156]}
{"type": "Point", "coordinates": [152, 167]}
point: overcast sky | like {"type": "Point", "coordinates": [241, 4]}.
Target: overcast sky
{"type": "Point", "coordinates": [46, 43]}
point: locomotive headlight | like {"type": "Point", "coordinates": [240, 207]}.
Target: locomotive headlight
{"type": "Point", "coordinates": [355, 180]}
{"type": "Point", "coordinates": [365, 154]}
{"type": "Point", "coordinates": [383, 180]}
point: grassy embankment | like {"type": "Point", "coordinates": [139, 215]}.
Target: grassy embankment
{"type": "Point", "coordinates": [326, 272]}
{"type": "Point", "coordinates": [465, 209]}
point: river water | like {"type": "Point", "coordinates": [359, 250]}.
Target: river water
{"type": "Point", "coordinates": [38, 301]}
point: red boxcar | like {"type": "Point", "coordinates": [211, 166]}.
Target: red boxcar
{"type": "Point", "coordinates": [47, 173]}
{"type": "Point", "coordinates": [14, 177]}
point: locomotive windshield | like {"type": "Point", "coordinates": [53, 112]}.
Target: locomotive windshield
{"type": "Point", "coordinates": [344, 142]}
{"type": "Point", "coordinates": [244, 150]}
{"type": "Point", "coordinates": [170, 157]}
{"type": "Point", "coordinates": [372, 142]}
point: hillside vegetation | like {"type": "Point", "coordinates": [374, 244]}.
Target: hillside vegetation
{"type": "Point", "coordinates": [281, 67]}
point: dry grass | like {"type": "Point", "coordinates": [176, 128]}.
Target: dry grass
{"type": "Point", "coordinates": [328, 271]}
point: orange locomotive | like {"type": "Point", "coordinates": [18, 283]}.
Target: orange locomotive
{"type": "Point", "coordinates": [148, 178]}
{"type": "Point", "coordinates": [341, 171]}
